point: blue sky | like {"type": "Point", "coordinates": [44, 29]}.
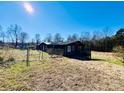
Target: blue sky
{"type": "Point", "coordinates": [63, 17]}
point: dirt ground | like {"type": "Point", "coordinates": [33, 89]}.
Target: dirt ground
{"type": "Point", "coordinates": [72, 74]}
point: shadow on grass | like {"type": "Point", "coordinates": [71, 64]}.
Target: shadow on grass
{"type": "Point", "coordinates": [86, 59]}
{"type": "Point", "coordinates": [97, 59]}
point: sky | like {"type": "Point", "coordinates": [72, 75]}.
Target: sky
{"type": "Point", "coordinates": [65, 18]}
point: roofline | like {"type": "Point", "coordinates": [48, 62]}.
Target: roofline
{"type": "Point", "coordinates": [61, 43]}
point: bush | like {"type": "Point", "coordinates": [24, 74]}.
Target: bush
{"type": "Point", "coordinates": [11, 59]}
{"type": "Point", "coordinates": [1, 59]}
{"type": "Point", "coordinates": [119, 50]}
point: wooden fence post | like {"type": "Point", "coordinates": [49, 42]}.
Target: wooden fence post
{"type": "Point", "coordinates": [27, 60]}
{"type": "Point", "coordinates": [39, 56]}
{"type": "Point", "coordinates": [42, 54]}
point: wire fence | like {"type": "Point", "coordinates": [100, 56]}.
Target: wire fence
{"type": "Point", "coordinates": [9, 55]}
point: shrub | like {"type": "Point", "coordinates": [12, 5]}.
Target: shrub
{"type": "Point", "coordinates": [1, 59]}
{"type": "Point", "coordinates": [119, 50]}
{"type": "Point", "coordinates": [11, 59]}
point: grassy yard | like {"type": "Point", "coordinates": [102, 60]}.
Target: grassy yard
{"type": "Point", "coordinates": [64, 74]}
{"type": "Point", "coordinates": [17, 76]}
{"type": "Point", "coordinates": [107, 57]}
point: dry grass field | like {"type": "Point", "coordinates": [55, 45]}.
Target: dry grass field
{"type": "Point", "coordinates": [104, 72]}
{"type": "Point", "coordinates": [20, 55]}
{"type": "Point", "coordinates": [107, 57]}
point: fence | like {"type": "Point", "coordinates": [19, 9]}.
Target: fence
{"type": "Point", "coordinates": [10, 55]}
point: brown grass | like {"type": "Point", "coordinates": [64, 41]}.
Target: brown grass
{"type": "Point", "coordinates": [64, 74]}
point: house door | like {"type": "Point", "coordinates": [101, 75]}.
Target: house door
{"type": "Point", "coordinates": [78, 50]}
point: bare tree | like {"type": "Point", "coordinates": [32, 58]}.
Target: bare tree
{"type": "Point", "coordinates": [23, 38]}
{"type": "Point", "coordinates": [58, 38]}
{"type": "Point", "coordinates": [69, 38]}
{"type": "Point", "coordinates": [14, 32]}
{"type": "Point", "coordinates": [75, 37]}
{"type": "Point", "coordinates": [48, 38]}
{"type": "Point", "coordinates": [97, 34]}
{"type": "Point", "coordinates": [106, 31]}
{"type": "Point", "coordinates": [9, 35]}
{"type": "Point", "coordinates": [72, 38]}
{"type": "Point", "coordinates": [33, 41]}
{"type": "Point", "coordinates": [2, 34]}
{"type": "Point", "coordinates": [37, 38]}
{"type": "Point", "coordinates": [85, 36]}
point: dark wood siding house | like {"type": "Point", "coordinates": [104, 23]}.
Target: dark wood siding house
{"type": "Point", "coordinates": [73, 49]}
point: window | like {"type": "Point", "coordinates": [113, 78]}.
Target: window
{"type": "Point", "coordinates": [43, 47]}
{"type": "Point", "coordinates": [73, 48]}
{"type": "Point", "coordinates": [68, 48]}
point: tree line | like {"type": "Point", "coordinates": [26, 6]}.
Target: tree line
{"type": "Point", "coordinates": [107, 43]}
{"type": "Point", "coordinates": [15, 35]}
{"type": "Point", "coordinates": [100, 41]}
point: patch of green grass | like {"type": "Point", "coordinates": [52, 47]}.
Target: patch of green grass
{"type": "Point", "coordinates": [19, 68]}
{"type": "Point", "coordinates": [107, 57]}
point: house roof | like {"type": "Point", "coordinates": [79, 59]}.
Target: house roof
{"type": "Point", "coordinates": [62, 43]}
